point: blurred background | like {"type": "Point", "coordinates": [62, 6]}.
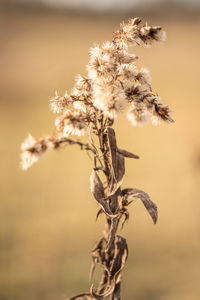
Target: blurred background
{"type": "Point", "coordinates": [47, 214]}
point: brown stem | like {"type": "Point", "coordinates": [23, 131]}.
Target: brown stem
{"type": "Point", "coordinates": [84, 146]}
{"type": "Point", "coordinates": [110, 252]}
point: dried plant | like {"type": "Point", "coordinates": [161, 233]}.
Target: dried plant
{"type": "Point", "coordinates": [113, 83]}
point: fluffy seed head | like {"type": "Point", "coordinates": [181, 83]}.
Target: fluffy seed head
{"type": "Point", "coordinates": [58, 104]}
{"type": "Point", "coordinates": [32, 150]}
{"type": "Point", "coordinates": [72, 122]}
{"type": "Point", "coordinates": [134, 33]}
{"type": "Point", "coordinates": [112, 82]}
{"type": "Point", "coordinates": [109, 97]}
{"type": "Point", "coordinates": [138, 115]}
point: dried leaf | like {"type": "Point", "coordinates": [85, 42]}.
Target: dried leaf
{"type": "Point", "coordinates": [104, 282]}
{"type": "Point", "coordinates": [120, 256]}
{"type": "Point", "coordinates": [144, 197]}
{"type": "Point", "coordinates": [127, 154]}
{"type": "Point", "coordinates": [115, 262]}
{"type": "Point", "coordinates": [111, 154]}
{"type": "Point", "coordinates": [106, 293]}
{"type": "Point", "coordinates": [117, 163]}
{"type": "Point", "coordinates": [119, 174]}
{"type": "Point", "coordinates": [120, 167]}
{"type": "Point", "coordinates": [119, 260]}
{"type": "Point", "coordinates": [100, 257]}
{"type": "Point", "coordinates": [97, 190]}
{"type": "Point", "coordinates": [96, 186]}
{"type": "Point", "coordinates": [112, 144]}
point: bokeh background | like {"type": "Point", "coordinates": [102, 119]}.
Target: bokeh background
{"type": "Point", "coordinates": [47, 214]}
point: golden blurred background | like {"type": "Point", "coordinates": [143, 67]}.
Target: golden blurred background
{"type": "Point", "coordinates": [47, 214]}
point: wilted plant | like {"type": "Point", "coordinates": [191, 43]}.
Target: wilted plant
{"type": "Point", "coordinates": [113, 83]}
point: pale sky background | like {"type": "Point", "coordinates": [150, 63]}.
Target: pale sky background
{"type": "Point", "coordinates": [108, 4]}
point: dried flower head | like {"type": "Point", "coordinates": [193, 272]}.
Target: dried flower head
{"type": "Point", "coordinates": [32, 150]}
{"type": "Point", "coordinates": [113, 83]}
{"type": "Point", "coordinates": [109, 97]}
{"type": "Point", "coordinates": [138, 114]}
{"type": "Point", "coordinates": [135, 33]}
{"type": "Point", "coordinates": [58, 104]}
{"type": "Point", "coordinates": [72, 122]}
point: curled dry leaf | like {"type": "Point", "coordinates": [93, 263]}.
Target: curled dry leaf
{"type": "Point", "coordinates": [97, 190]}
{"type": "Point", "coordinates": [144, 197]}
{"type": "Point", "coordinates": [106, 293]}
{"type": "Point", "coordinates": [120, 256]}
{"type": "Point", "coordinates": [96, 186]}
{"type": "Point", "coordinates": [112, 264]}
{"type": "Point", "coordinates": [99, 257]}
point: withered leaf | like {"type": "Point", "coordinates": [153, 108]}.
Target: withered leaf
{"type": "Point", "coordinates": [112, 276]}
{"type": "Point", "coordinates": [120, 255]}
{"type": "Point", "coordinates": [144, 197]}
{"type": "Point", "coordinates": [119, 260]}
{"type": "Point", "coordinates": [120, 163]}
{"type": "Point", "coordinates": [97, 190]}
{"type": "Point", "coordinates": [96, 186]}
{"type": "Point", "coordinates": [106, 293]}
{"type": "Point", "coordinates": [112, 144]}
{"type": "Point", "coordinates": [104, 281]}
{"type": "Point", "coordinates": [127, 154]}
{"type": "Point", "coordinates": [117, 162]}
{"type": "Point", "coordinates": [120, 167]}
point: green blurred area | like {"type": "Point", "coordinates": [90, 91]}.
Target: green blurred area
{"type": "Point", "coordinates": [47, 213]}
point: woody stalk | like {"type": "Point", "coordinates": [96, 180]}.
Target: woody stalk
{"type": "Point", "coordinates": [113, 84]}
